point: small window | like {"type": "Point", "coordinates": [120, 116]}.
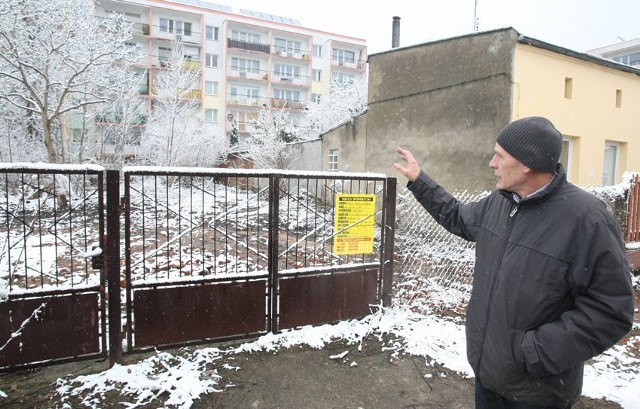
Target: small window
{"type": "Point", "coordinates": [211, 33]}
{"type": "Point", "coordinates": [317, 75]}
{"type": "Point", "coordinates": [333, 160]}
{"type": "Point", "coordinates": [317, 51]}
{"type": "Point", "coordinates": [211, 88]}
{"type": "Point", "coordinates": [211, 60]}
{"type": "Point", "coordinates": [315, 98]}
{"type": "Point", "coordinates": [211, 115]}
{"type": "Point", "coordinates": [618, 98]}
{"type": "Point", "coordinates": [568, 88]}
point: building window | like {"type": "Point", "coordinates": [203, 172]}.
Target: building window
{"type": "Point", "coordinates": [211, 88]}
{"type": "Point", "coordinates": [315, 98]}
{"type": "Point", "coordinates": [246, 37]}
{"type": "Point", "coordinates": [568, 88]}
{"type": "Point", "coordinates": [618, 98]}
{"type": "Point", "coordinates": [317, 75]}
{"type": "Point", "coordinates": [179, 27]}
{"type": "Point", "coordinates": [287, 46]}
{"type": "Point", "coordinates": [287, 94]}
{"type": "Point", "coordinates": [286, 71]}
{"type": "Point", "coordinates": [211, 60]}
{"type": "Point", "coordinates": [242, 66]}
{"type": "Point", "coordinates": [611, 159]}
{"type": "Point", "coordinates": [211, 115]}
{"type": "Point", "coordinates": [342, 57]}
{"type": "Point", "coordinates": [317, 51]}
{"type": "Point", "coordinates": [211, 33]}
{"type": "Point", "coordinates": [333, 160]}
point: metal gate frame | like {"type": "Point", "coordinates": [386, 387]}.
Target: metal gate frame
{"type": "Point", "coordinates": [46, 317]}
{"type": "Point", "coordinates": [179, 309]}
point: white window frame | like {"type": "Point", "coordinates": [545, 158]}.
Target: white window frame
{"type": "Point", "coordinates": [212, 33]}
{"type": "Point", "coordinates": [286, 94]}
{"type": "Point", "coordinates": [317, 51]}
{"type": "Point", "coordinates": [316, 98]}
{"type": "Point", "coordinates": [246, 37]}
{"type": "Point", "coordinates": [287, 46]}
{"type": "Point", "coordinates": [286, 71]}
{"type": "Point", "coordinates": [333, 160]}
{"type": "Point", "coordinates": [243, 65]}
{"type": "Point", "coordinates": [317, 75]}
{"type": "Point", "coordinates": [211, 115]}
{"type": "Point", "coordinates": [343, 56]}
{"type": "Point", "coordinates": [211, 60]}
{"type": "Point", "coordinates": [610, 176]}
{"type": "Point", "coordinates": [211, 87]}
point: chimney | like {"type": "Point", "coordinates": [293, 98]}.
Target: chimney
{"type": "Point", "coordinates": [395, 35]}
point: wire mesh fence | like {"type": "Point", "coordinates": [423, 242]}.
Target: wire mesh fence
{"type": "Point", "coordinates": [433, 267]}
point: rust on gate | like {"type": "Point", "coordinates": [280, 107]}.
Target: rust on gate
{"type": "Point", "coordinates": [633, 209]}
{"type": "Point", "coordinates": [52, 295]}
{"type": "Point", "coordinates": [219, 254]}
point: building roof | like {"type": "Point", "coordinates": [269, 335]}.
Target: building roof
{"type": "Point", "coordinates": [535, 43]}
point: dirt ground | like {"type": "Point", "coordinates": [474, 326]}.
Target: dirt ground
{"type": "Point", "coordinates": [369, 377]}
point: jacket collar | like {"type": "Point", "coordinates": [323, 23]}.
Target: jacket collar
{"type": "Point", "coordinates": [559, 180]}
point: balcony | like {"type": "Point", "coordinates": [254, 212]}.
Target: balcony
{"type": "Point", "coordinates": [183, 94]}
{"type": "Point", "coordinates": [291, 54]}
{"type": "Point", "coordinates": [192, 65]}
{"type": "Point", "coordinates": [115, 118]}
{"type": "Point", "coordinates": [252, 75]}
{"type": "Point", "coordinates": [245, 100]}
{"type": "Point", "coordinates": [348, 63]}
{"type": "Point", "coordinates": [141, 28]}
{"type": "Point", "coordinates": [244, 45]}
{"type": "Point", "coordinates": [285, 103]}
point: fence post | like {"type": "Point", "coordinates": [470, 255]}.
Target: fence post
{"type": "Point", "coordinates": [389, 226]}
{"type": "Point", "coordinates": [112, 264]}
{"type": "Point", "coordinates": [274, 220]}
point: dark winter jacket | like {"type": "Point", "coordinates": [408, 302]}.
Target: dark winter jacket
{"type": "Point", "coordinates": [551, 286]}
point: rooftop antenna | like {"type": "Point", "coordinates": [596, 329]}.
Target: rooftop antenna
{"type": "Point", "coordinates": [476, 20]}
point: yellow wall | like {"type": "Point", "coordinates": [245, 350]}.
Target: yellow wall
{"type": "Point", "coordinates": [590, 117]}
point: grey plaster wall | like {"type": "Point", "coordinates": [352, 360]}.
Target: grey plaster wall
{"type": "Point", "coordinates": [351, 140]}
{"type": "Point", "coordinates": [305, 155]}
{"type": "Point", "coordinates": [445, 101]}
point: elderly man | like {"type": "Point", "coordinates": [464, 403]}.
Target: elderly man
{"type": "Point", "coordinates": [551, 286]}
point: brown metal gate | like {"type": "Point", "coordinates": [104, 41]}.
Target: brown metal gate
{"type": "Point", "coordinates": [222, 254]}
{"type": "Point", "coordinates": [633, 211]}
{"type": "Point", "coordinates": [52, 303]}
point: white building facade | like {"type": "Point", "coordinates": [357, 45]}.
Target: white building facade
{"type": "Point", "coordinates": [247, 61]}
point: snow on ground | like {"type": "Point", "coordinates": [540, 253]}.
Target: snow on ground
{"type": "Point", "coordinates": [614, 375]}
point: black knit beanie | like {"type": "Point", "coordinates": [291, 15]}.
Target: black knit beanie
{"type": "Point", "coordinates": [534, 141]}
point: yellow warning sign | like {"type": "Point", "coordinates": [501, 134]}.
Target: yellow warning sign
{"type": "Point", "coordinates": [354, 222]}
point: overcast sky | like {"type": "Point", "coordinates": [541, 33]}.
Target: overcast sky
{"type": "Point", "coordinates": [579, 25]}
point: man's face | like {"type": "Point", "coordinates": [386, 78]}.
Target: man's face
{"type": "Point", "coordinates": [508, 170]}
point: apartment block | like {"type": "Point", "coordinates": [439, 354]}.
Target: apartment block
{"type": "Point", "coordinates": [623, 52]}
{"type": "Point", "coordinates": [247, 61]}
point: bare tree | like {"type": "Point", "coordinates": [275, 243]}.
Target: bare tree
{"type": "Point", "coordinates": [120, 123]}
{"type": "Point", "coordinates": [346, 99]}
{"type": "Point", "coordinates": [176, 134]}
{"type": "Point", "coordinates": [57, 57]}
{"type": "Point", "coordinates": [17, 137]}
{"type": "Point", "coordinates": [271, 132]}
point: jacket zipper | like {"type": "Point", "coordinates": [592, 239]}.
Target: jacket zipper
{"type": "Point", "coordinates": [515, 210]}
{"type": "Point", "coordinates": [493, 283]}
